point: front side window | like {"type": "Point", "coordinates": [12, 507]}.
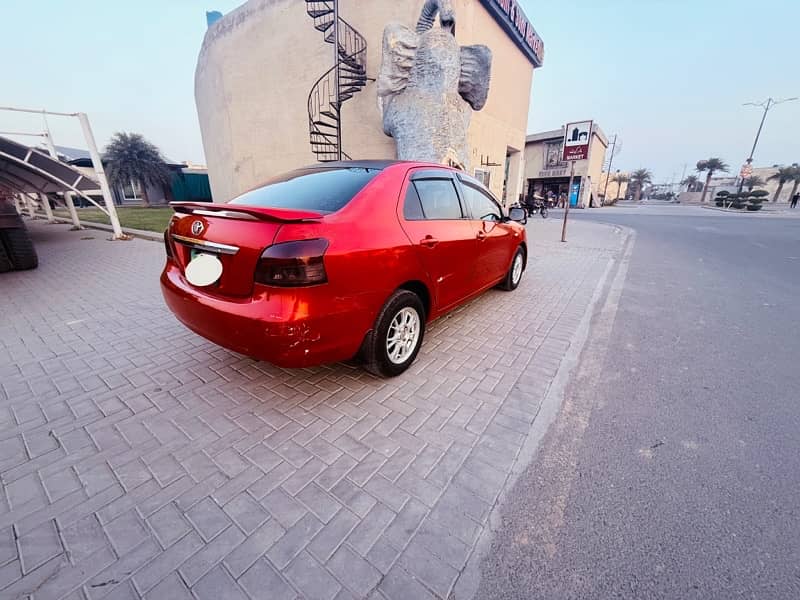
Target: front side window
{"type": "Point", "coordinates": [480, 205]}
{"type": "Point", "coordinates": [438, 198]}
{"type": "Point", "coordinates": [324, 190]}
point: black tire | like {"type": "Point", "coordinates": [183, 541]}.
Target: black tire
{"type": "Point", "coordinates": [374, 350]}
{"type": "Point", "coordinates": [19, 248]}
{"type": "Point", "coordinates": [5, 261]}
{"type": "Point", "coordinates": [508, 282]}
{"type": "Point", "coordinates": [544, 213]}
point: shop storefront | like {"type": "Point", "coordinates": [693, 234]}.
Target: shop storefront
{"type": "Point", "coordinates": [547, 175]}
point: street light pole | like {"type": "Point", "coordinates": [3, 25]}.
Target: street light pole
{"type": "Point", "coordinates": [608, 172]}
{"type": "Point", "coordinates": [766, 105]}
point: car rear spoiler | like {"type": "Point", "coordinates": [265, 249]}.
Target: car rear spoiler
{"type": "Point", "coordinates": [242, 211]}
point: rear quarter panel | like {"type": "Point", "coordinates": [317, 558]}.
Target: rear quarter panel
{"type": "Point", "coordinates": [368, 258]}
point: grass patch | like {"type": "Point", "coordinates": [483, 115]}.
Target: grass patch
{"type": "Point", "coordinates": [134, 217]}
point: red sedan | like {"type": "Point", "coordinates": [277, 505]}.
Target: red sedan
{"type": "Point", "coordinates": [339, 259]}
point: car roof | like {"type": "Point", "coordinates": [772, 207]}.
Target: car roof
{"type": "Point", "coordinates": [373, 164]}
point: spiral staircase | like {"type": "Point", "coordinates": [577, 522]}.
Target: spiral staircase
{"type": "Point", "coordinates": [338, 84]}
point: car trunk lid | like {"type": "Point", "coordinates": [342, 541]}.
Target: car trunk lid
{"type": "Point", "coordinates": [236, 235]}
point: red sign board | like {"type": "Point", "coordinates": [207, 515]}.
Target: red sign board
{"type": "Point", "coordinates": [577, 137]}
{"type": "Point", "coordinates": [746, 171]}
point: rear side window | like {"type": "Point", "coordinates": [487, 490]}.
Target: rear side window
{"type": "Point", "coordinates": [323, 190]}
{"type": "Point", "coordinates": [438, 198]}
{"type": "Point", "coordinates": [412, 207]}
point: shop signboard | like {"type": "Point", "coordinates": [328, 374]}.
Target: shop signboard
{"type": "Point", "coordinates": [577, 137]}
{"type": "Point", "coordinates": [509, 15]}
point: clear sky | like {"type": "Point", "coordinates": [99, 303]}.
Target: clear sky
{"type": "Point", "coordinates": [668, 76]}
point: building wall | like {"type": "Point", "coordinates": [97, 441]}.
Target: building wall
{"type": "Point", "coordinates": [597, 156]}
{"type": "Point", "coordinates": [615, 190]}
{"type": "Point", "coordinates": [772, 185]}
{"type": "Point", "coordinates": [258, 64]}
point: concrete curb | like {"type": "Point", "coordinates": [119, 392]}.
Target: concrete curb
{"type": "Point", "coordinates": [151, 236]}
{"type": "Point", "coordinates": [735, 211]}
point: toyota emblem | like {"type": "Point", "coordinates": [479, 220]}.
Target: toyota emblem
{"type": "Point", "coordinates": [197, 227]}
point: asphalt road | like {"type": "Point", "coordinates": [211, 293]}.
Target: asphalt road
{"type": "Point", "coordinates": [673, 468]}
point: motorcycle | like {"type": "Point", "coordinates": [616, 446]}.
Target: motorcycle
{"type": "Point", "coordinates": [537, 204]}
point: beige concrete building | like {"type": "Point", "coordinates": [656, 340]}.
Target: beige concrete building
{"type": "Point", "coordinates": [545, 171]}
{"type": "Point", "coordinates": [259, 63]}
{"type": "Point", "coordinates": [614, 190]}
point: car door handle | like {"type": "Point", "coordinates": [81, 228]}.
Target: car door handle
{"type": "Point", "coordinates": [429, 241]}
{"type": "Point", "coordinates": [481, 235]}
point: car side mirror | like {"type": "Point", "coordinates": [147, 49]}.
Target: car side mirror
{"type": "Point", "coordinates": [518, 214]}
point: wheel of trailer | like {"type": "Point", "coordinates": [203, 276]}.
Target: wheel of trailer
{"type": "Point", "coordinates": [18, 249]}
{"type": "Point", "coordinates": [5, 261]}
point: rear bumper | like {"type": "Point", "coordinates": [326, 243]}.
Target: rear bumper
{"type": "Point", "coordinates": [292, 328]}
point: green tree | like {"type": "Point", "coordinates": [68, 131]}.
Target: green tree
{"type": "Point", "coordinates": [639, 179]}
{"type": "Point", "coordinates": [783, 176]}
{"type": "Point", "coordinates": [619, 179]}
{"type": "Point", "coordinates": [711, 165]}
{"type": "Point", "coordinates": [692, 183]}
{"type": "Point", "coordinates": [130, 157]}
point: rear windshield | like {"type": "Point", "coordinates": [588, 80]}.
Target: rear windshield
{"type": "Point", "coordinates": [324, 190]}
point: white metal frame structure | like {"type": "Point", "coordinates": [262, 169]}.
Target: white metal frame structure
{"type": "Point", "coordinates": [50, 169]}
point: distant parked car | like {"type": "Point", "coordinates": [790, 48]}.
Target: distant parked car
{"type": "Point", "coordinates": [339, 259]}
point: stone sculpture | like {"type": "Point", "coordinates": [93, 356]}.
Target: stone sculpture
{"type": "Point", "coordinates": [428, 86]}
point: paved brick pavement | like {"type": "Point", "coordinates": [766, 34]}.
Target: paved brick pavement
{"type": "Point", "coordinates": [139, 460]}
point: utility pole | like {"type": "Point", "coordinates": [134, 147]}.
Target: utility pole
{"type": "Point", "coordinates": [766, 105]}
{"type": "Point", "coordinates": [608, 172]}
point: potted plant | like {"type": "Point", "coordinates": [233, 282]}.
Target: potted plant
{"type": "Point", "coordinates": [755, 199]}
{"type": "Point", "coordinates": [722, 198]}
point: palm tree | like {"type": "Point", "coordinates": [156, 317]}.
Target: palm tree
{"type": "Point", "coordinates": [130, 157]}
{"type": "Point", "coordinates": [691, 182]}
{"type": "Point", "coordinates": [784, 175]}
{"type": "Point", "coordinates": [639, 179]}
{"type": "Point", "coordinates": [795, 179]}
{"type": "Point", "coordinates": [712, 165]}
{"type": "Point", "coordinates": [753, 181]}
{"type": "Point", "coordinates": [619, 179]}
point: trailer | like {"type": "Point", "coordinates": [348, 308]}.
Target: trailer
{"type": "Point", "coordinates": [27, 173]}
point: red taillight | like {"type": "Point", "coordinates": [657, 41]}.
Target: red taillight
{"type": "Point", "coordinates": [292, 264]}
{"type": "Point", "coordinates": [168, 244]}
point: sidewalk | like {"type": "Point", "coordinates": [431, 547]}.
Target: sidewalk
{"type": "Point", "coordinates": [139, 460]}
